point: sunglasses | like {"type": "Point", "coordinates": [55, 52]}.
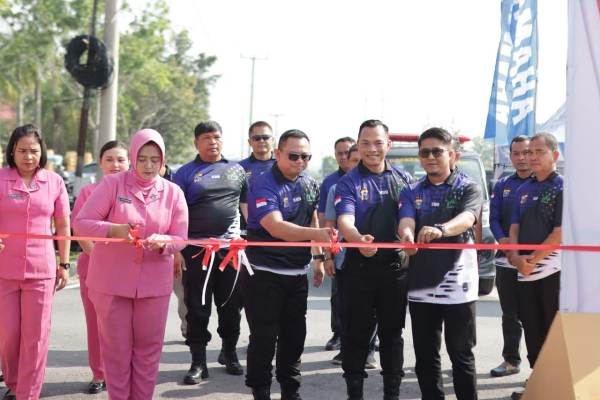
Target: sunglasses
{"type": "Point", "coordinates": [263, 138]}
{"type": "Point", "coordinates": [436, 151]}
{"type": "Point", "coordinates": [296, 156]}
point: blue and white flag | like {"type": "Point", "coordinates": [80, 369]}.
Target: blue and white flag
{"type": "Point", "coordinates": [512, 103]}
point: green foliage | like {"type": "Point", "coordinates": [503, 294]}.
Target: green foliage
{"type": "Point", "coordinates": [162, 85]}
{"type": "Point", "coordinates": [328, 165]}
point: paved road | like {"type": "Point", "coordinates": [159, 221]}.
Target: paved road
{"type": "Point", "coordinates": [67, 374]}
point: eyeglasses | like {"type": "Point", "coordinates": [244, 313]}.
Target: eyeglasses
{"type": "Point", "coordinates": [436, 151]}
{"type": "Point", "coordinates": [259, 138]}
{"type": "Point", "coordinates": [295, 156]}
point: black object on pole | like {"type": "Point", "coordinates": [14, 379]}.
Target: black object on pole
{"type": "Point", "coordinates": [85, 107]}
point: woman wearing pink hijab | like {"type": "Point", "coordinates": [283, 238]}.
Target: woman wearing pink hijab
{"type": "Point", "coordinates": [130, 283]}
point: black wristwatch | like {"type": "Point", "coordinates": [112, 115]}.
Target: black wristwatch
{"type": "Point", "coordinates": [319, 257]}
{"type": "Point", "coordinates": [66, 266]}
{"type": "Point", "coordinates": [442, 228]}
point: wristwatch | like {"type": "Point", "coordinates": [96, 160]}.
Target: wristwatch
{"type": "Point", "coordinates": [66, 266]}
{"type": "Point", "coordinates": [442, 228]}
{"type": "Point", "coordinates": [319, 257]}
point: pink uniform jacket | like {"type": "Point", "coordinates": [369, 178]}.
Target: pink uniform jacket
{"type": "Point", "coordinates": [30, 210]}
{"type": "Point", "coordinates": [122, 269]}
{"type": "Point", "coordinates": [83, 260]}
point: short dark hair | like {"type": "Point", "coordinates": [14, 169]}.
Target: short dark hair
{"type": "Point", "coordinates": [518, 139]}
{"type": "Point", "coordinates": [259, 124]}
{"type": "Point", "coordinates": [437, 133]}
{"type": "Point", "coordinates": [292, 133]}
{"type": "Point", "coordinates": [111, 145]}
{"type": "Point", "coordinates": [16, 135]}
{"type": "Point", "coordinates": [372, 123]}
{"type": "Point", "coordinates": [344, 139]}
{"type": "Point", "coordinates": [352, 149]}
{"type": "Point", "coordinates": [207, 127]}
{"type": "Point", "coordinates": [548, 138]}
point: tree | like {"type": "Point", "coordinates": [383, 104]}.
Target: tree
{"type": "Point", "coordinates": [328, 165]}
{"type": "Point", "coordinates": [161, 85]}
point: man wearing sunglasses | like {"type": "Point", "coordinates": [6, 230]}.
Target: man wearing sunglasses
{"type": "Point", "coordinates": [215, 191]}
{"type": "Point", "coordinates": [282, 207]}
{"type": "Point", "coordinates": [342, 149]}
{"type": "Point", "coordinates": [366, 201]}
{"type": "Point", "coordinates": [443, 284]}
{"type": "Point", "coordinates": [261, 141]}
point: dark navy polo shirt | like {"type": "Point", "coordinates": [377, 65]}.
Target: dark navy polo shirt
{"type": "Point", "coordinates": [447, 276]}
{"type": "Point", "coordinates": [213, 192]}
{"type": "Point", "coordinates": [501, 204]}
{"type": "Point", "coordinates": [373, 201]}
{"type": "Point", "coordinates": [539, 209]}
{"type": "Point", "coordinates": [296, 201]}
{"type": "Point", "coordinates": [327, 183]}
{"type": "Point", "coordinates": [255, 167]}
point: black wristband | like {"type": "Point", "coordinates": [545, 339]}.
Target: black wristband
{"type": "Point", "coordinates": [319, 257]}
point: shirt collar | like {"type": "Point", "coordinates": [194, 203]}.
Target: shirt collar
{"type": "Point", "coordinates": [552, 175]}
{"type": "Point", "coordinates": [280, 178]}
{"type": "Point", "coordinates": [364, 171]}
{"type": "Point", "coordinates": [254, 159]}
{"type": "Point", "coordinates": [41, 175]}
{"type": "Point", "coordinates": [199, 161]}
{"type": "Point", "coordinates": [449, 180]}
{"type": "Point", "coordinates": [516, 176]}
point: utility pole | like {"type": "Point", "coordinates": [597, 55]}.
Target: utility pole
{"type": "Point", "coordinates": [108, 101]}
{"type": "Point", "coordinates": [275, 122]}
{"type": "Point", "coordinates": [85, 108]}
{"type": "Point", "coordinates": [251, 115]}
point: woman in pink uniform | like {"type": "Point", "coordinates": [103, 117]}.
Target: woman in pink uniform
{"type": "Point", "coordinates": [30, 199]}
{"type": "Point", "coordinates": [113, 159]}
{"type": "Point", "coordinates": [130, 283]}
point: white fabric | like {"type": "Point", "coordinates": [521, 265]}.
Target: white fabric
{"type": "Point", "coordinates": [580, 280]}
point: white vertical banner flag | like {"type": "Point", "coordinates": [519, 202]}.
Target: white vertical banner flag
{"type": "Point", "coordinates": [580, 281]}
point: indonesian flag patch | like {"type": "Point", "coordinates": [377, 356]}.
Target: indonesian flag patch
{"type": "Point", "coordinates": [261, 202]}
{"type": "Point", "coordinates": [337, 200]}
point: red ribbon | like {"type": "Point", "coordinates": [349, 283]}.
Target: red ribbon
{"type": "Point", "coordinates": [209, 249]}
{"type": "Point", "coordinates": [135, 236]}
{"type": "Point", "coordinates": [235, 245]}
{"type": "Point", "coordinates": [335, 242]}
{"type": "Point", "coordinates": [204, 242]}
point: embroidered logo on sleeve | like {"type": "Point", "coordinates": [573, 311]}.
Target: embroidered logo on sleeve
{"type": "Point", "coordinates": [337, 200]}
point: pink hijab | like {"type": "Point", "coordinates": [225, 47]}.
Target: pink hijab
{"type": "Point", "coordinates": [139, 140]}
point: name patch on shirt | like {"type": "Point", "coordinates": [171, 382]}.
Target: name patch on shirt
{"type": "Point", "coordinates": [506, 192]}
{"type": "Point", "coordinates": [16, 195]}
{"type": "Point", "coordinates": [123, 199]}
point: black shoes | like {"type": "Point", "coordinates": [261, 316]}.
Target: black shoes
{"type": "Point", "coordinates": [1, 378]}
{"type": "Point", "coordinates": [195, 374]}
{"type": "Point", "coordinates": [261, 393]}
{"type": "Point", "coordinates": [391, 387]}
{"type": "Point", "coordinates": [290, 396]}
{"type": "Point", "coordinates": [229, 359]}
{"type": "Point", "coordinates": [354, 387]}
{"type": "Point", "coordinates": [96, 387]}
{"type": "Point", "coordinates": [198, 370]}
{"type": "Point", "coordinates": [334, 343]}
